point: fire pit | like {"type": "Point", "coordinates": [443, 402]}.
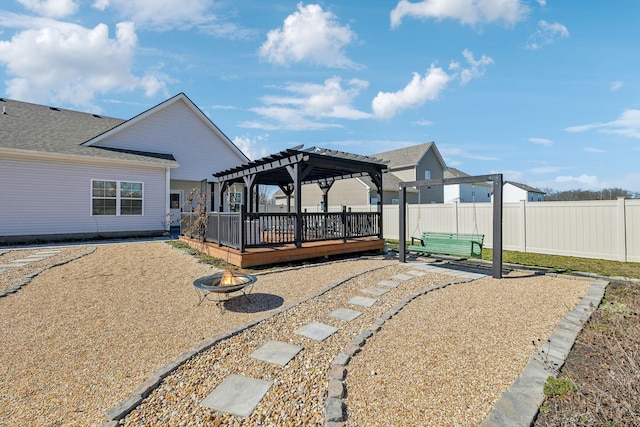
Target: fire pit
{"type": "Point", "coordinates": [223, 283]}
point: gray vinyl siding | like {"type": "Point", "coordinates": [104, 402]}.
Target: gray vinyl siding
{"type": "Point", "coordinates": [177, 130]}
{"type": "Point", "coordinates": [40, 197]}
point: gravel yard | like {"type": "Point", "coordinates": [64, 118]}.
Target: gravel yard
{"type": "Point", "coordinates": [84, 334]}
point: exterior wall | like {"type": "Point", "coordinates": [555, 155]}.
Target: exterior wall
{"type": "Point", "coordinates": [49, 197]}
{"type": "Point", "coordinates": [406, 174]}
{"type": "Point", "coordinates": [187, 187]}
{"type": "Point", "coordinates": [430, 163]}
{"type": "Point", "coordinates": [513, 194]}
{"type": "Point", "coordinates": [451, 193]}
{"type": "Point", "coordinates": [344, 192]}
{"type": "Point", "coordinates": [177, 130]}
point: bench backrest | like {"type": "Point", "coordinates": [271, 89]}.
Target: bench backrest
{"type": "Point", "coordinates": [429, 235]}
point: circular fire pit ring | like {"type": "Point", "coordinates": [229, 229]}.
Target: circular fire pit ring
{"type": "Point", "coordinates": [217, 284]}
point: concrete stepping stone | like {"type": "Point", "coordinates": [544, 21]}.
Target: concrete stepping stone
{"type": "Point", "coordinates": [21, 261]}
{"type": "Point", "coordinates": [36, 258]}
{"type": "Point", "coordinates": [317, 331]}
{"type": "Point", "coordinates": [237, 395]}
{"type": "Point", "coordinates": [375, 291]}
{"type": "Point", "coordinates": [389, 283]}
{"type": "Point", "coordinates": [362, 301]}
{"type": "Point", "coordinates": [276, 352]}
{"type": "Point", "coordinates": [16, 265]}
{"type": "Point", "coordinates": [417, 273]}
{"type": "Point", "coordinates": [402, 277]}
{"type": "Point", "coordinates": [345, 314]}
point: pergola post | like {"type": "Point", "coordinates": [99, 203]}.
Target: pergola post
{"type": "Point", "coordinates": [402, 219]}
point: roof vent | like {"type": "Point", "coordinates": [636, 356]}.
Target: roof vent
{"type": "Point", "coordinates": [3, 100]}
{"type": "Point", "coordinates": [4, 109]}
{"type": "Point", "coordinates": [54, 108]}
{"type": "Point", "coordinates": [98, 116]}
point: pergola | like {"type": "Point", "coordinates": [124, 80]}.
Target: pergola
{"type": "Point", "coordinates": [294, 167]}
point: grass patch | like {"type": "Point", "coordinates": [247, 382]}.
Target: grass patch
{"type": "Point", "coordinates": [561, 264]}
{"type": "Point", "coordinates": [559, 387]}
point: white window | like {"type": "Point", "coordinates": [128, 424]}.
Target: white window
{"type": "Point", "coordinates": [116, 198]}
{"type": "Point", "coordinates": [395, 201]}
{"type": "Point", "coordinates": [427, 174]}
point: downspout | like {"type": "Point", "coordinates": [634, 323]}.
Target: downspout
{"type": "Point", "coordinates": [167, 197]}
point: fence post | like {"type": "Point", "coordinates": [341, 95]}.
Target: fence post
{"type": "Point", "coordinates": [622, 229]}
{"type": "Point", "coordinates": [456, 215]}
{"type": "Point", "coordinates": [523, 227]}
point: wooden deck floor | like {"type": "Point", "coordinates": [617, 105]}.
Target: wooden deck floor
{"type": "Point", "coordinates": [285, 253]}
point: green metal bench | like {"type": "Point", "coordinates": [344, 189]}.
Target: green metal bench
{"type": "Point", "coordinates": [466, 245]}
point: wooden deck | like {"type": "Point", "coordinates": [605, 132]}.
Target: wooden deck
{"type": "Point", "coordinates": [284, 253]}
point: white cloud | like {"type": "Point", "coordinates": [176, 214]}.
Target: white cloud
{"type": "Point", "coordinates": [594, 150]}
{"type": "Point", "coordinates": [422, 123]}
{"type": "Point", "coordinates": [419, 90]}
{"type": "Point", "coordinates": [309, 35]}
{"type": "Point", "coordinates": [67, 63]}
{"type": "Point", "coordinates": [468, 12]}
{"type": "Point", "coordinates": [542, 3]}
{"type": "Point", "coordinates": [100, 4]}
{"type": "Point", "coordinates": [541, 141]}
{"type": "Point", "coordinates": [161, 15]}
{"type": "Point", "coordinates": [547, 34]}
{"type": "Point", "coordinates": [51, 8]}
{"type": "Point", "coordinates": [476, 69]}
{"type": "Point", "coordinates": [307, 104]}
{"type": "Point", "coordinates": [616, 85]}
{"type": "Point", "coordinates": [628, 124]}
{"type": "Point", "coordinates": [253, 147]}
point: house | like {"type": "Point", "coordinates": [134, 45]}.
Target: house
{"type": "Point", "coordinates": [479, 192]}
{"type": "Point", "coordinates": [66, 174]}
{"type": "Point", "coordinates": [513, 192]}
{"type": "Point", "coordinates": [414, 163]}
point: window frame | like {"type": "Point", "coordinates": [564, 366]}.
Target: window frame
{"type": "Point", "coordinates": [119, 197]}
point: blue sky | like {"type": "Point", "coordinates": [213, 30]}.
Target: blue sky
{"type": "Point", "coordinates": [545, 92]}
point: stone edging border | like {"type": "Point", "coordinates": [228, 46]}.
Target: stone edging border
{"type": "Point", "coordinates": [519, 405]}
{"type": "Point", "coordinates": [13, 289]}
{"type": "Point", "coordinates": [143, 390]}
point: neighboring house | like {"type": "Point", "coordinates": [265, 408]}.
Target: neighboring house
{"type": "Point", "coordinates": [414, 163]}
{"type": "Point", "coordinates": [514, 192]}
{"type": "Point", "coordinates": [479, 192]}
{"type": "Point", "coordinates": [67, 174]}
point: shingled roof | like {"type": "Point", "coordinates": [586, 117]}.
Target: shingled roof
{"type": "Point", "coordinates": [408, 156]}
{"type": "Point", "coordinates": [31, 128]}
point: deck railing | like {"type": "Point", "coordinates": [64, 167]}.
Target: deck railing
{"type": "Point", "coordinates": [269, 229]}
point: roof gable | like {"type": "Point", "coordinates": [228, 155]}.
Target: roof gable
{"type": "Point", "coordinates": [409, 156]}
{"type": "Point", "coordinates": [181, 97]}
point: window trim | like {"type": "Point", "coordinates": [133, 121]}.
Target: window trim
{"type": "Point", "coordinates": [118, 198]}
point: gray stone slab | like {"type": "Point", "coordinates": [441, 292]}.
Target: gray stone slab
{"type": "Point", "coordinates": [402, 277]}
{"type": "Point", "coordinates": [276, 352]}
{"type": "Point", "coordinates": [389, 283]}
{"type": "Point", "coordinates": [317, 331]}
{"type": "Point", "coordinates": [374, 291]}
{"type": "Point", "coordinates": [237, 395]}
{"type": "Point", "coordinates": [21, 261]}
{"type": "Point", "coordinates": [16, 265]}
{"type": "Point", "coordinates": [345, 314]}
{"type": "Point", "coordinates": [362, 301]}
{"type": "Point", "coordinates": [417, 273]}
{"type": "Point", "coordinates": [36, 257]}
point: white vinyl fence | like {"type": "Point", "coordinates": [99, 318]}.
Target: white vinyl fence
{"type": "Point", "coordinates": [602, 229]}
